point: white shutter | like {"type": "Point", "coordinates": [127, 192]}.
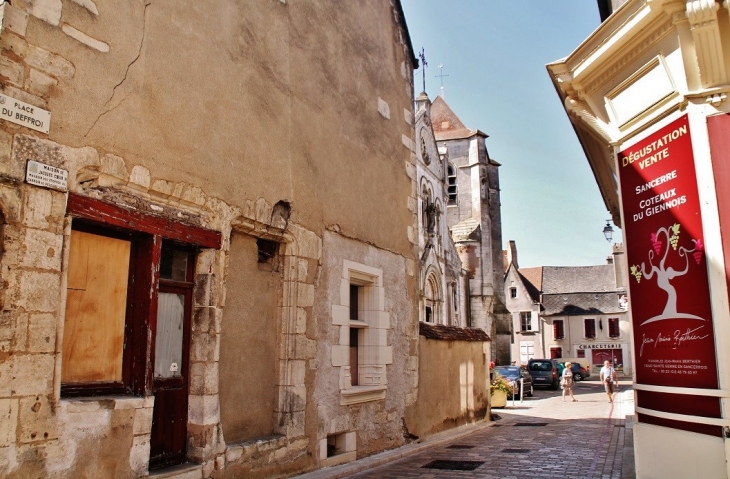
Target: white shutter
{"type": "Point", "coordinates": [534, 320]}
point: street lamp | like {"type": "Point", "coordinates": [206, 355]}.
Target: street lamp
{"type": "Point", "coordinates": [608, 231]}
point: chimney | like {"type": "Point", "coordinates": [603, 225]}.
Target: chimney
{"type": "Point", "coordinates": [512, 254]}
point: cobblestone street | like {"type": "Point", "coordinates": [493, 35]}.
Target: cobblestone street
{"type": "Point", "coordinates": [543, 437]}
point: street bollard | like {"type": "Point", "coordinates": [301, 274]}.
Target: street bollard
{"type": "Point", "coordinates": [522, 390]}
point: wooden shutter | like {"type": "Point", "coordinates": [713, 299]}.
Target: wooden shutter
{"type": "Point", "coordinates": [613, 329]}
{"type": "Point", "coordinates": [590, 328]}
{"type": "Point", "coordinates": [558, 331]}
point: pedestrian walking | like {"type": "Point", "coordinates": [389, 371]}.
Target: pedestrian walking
{"type": "Point", "coordinates": [609, 379]}
{"type": "Point", "coordinates": [567, 381]}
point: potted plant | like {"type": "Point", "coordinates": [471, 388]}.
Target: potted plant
{"type": "Point", "coordinates": [499, 389]}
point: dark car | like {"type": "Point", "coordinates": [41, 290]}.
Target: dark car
{"type": "Point", "coordinates": [544, 372]}
{"type": "Point", "coordinates": [579, 372]}
{"type": "Point", "coordinates": [513, 374]}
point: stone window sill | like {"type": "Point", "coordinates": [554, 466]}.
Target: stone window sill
{"type": "Point", "coordinates": [360, 394]}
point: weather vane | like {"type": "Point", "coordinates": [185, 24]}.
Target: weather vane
{"type": "Point", "coordinates": [422, 55]}
{"type": "Point", "coordinates": [441, 75]}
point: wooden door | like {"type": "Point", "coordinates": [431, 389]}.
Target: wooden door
{"type": "Point", "coordinates": [171, 371]}
{"type": "Point", "coordinates": [171, 358]}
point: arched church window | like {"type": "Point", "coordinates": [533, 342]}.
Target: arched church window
{"type": "Point", "coordinates": [451, 184]}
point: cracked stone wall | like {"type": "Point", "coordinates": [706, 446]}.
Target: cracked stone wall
{"type": "Point", "coordinates": [208, 114]}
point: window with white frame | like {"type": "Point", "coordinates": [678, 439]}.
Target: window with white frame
{"type": "Point", "coordinates": [362, 354]}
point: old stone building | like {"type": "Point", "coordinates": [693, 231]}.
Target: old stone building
{"type": "Point", "coordinates": [571, 312]}
{"type": "Point", "coordinates": [473, 215]}
{"type": "Point", "coordinates": [197, 264]}
{"type": "Point", "coordinates": [453, 379]}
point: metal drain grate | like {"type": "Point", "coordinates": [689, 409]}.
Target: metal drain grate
{"type": "Point", "coordinates": [460, 446]}
{"type": "Point", "coordinates": [532, 424]}
{"type": "Point", "coordinates": [454, 465]}
{"type": "Point", "coordinates": [515, 451]}
{"type": "Point", "coordinates": [619, 425]}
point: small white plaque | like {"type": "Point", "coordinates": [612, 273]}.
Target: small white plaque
{"type": "Point", "coordinates": [173, 367]}
{"type": "Point", "coordinates": [24, 114]}
{"type": "Point", "coordinates": [47, 176]}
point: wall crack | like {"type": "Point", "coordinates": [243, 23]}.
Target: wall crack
{"type": "Point", "coordinates": [126, 73]}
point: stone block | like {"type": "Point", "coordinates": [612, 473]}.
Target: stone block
{"type": "Point", "coordinates": [85, 39]}
{"type": "Point", "coordinates": [41, 333]}
{"type": "Point", "coordinates": [408, 116]}
{"type": "Point", "coordinates": [205, 347]}
{"type": "Point", "coordinates": [46, 10]}
{"type": "Point", "coordinates": [340, 355]}
{"type": "Point", "coordinates": [114, 165]}
{"type": "Point", "coordinates": [40, 84]}
{"type": "Point", "coordinates": [36, 420]}
{"type": "Point", "coordinates": [301, 325]}
{"type": "Point", "coordinates": [89, 5]}
{"type": "Point", "coordinates": [142, 421]}
{"type": "Point", "coordinates": [37, 207]}
{"type": "Point", "coordinates": [139, 455]}
{"type": "Point", "coordinates": [42, 250]}
{"type": "Point", "coordinates": [12, 71]}
{"type": "Point", "coordinates": [383, 108]}
{"type": "Point", "coordinates": [49, 63]}
{"type": "Point", "coordinates": [15, 19]}
{"type": "Point", "coordinates": [305, 295]}
{"type": "Point", "coordinates": [203, 410]}
{"type": "Point", "coordinates": [8, 421]}
{"type": "Point", "coordinates": [204, 262]}
{"type": "Point", "coordinates": [140, 176]}
{"type": "Point", "coordinates": [39, 291]}
{"type": "Point", "coordinates": [32, 374]}
{"type": "Point", "coordinates": [204, 378]}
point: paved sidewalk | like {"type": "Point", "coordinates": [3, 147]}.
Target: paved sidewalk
{"type": "Point", "coordinates": [543, 437]}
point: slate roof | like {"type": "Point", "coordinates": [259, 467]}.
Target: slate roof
{"type": "Point", "coordinates": [578, 279]}
{"type": "Point", "coordinates": [573, 290]}
{"type": "Point", "coordinates": [581, 303]}
{"type": "Point", "coordinates": [451, 333]}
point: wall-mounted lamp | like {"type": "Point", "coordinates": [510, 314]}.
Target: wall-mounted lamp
{"type": "Point", "coordinates": [608, 231]}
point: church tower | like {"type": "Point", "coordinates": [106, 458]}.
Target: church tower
{"type": "Point", "coordinates": [473, 215]}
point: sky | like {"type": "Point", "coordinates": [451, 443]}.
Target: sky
{"type": "Point", "coordinates": [495, 52]}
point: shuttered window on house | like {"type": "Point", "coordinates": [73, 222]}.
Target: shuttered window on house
{"type": "Point", "coordinates": [558, 329]}
{"type": "Point", "coordinates": [590, 328]}
{"type": "Point", "coordinates": [613, 329]}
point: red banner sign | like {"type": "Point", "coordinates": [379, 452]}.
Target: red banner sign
{"type": "Point", "coordinates": [670, 296]}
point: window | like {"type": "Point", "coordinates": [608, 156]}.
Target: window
{"type": "Point", "coordinates": [451, 184]}
{"type": "Point", "coordinates": [613, 328]}
{"type": "Point", "coordinates": [558, 329]}
{"type": "Point", "coordinates": [513, 293]}
{"type": "Point", "coordinates": [556, 353]}
{"type": "Point", "coordinates": [526, 321]}
{"type": "Point", "coordinates": [590, 328]}
{"type": "Point", "coordinates": [363, 353]}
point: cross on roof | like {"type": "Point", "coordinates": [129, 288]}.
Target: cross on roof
{"type": "Point", "coordinates": [441, 75]}
{"type": "Point", "coordinates": [422, 55]}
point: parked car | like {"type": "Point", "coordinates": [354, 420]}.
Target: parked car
{"type": "Point", "coordinates": [513, 374]}
{"type": "Point", "coordinates": [579, 372]}
{"type": "Point", "coordinates": [582, 361]}
{"type": "Point", "coordinates": [544, 372]}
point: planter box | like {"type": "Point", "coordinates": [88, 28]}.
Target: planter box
{"type": "Point", "coordinates": [499, 399]}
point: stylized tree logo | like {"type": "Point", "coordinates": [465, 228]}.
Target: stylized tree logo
{"type": "Point", "coordinates": [664, 275]}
